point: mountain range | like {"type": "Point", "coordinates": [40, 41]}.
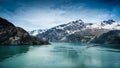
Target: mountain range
{"type": "Point", "coordinates": [79, 31]}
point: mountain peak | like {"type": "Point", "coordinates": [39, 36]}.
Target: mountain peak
{"type": "Point", "coordinates": [4, 22]}
{"type": "Point", "coordinates": [109, 21]}
{"type": "Point", "coordinates": [77, 21]}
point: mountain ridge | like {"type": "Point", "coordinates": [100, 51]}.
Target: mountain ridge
{"type": "Point", "coordinates": [73, 29]}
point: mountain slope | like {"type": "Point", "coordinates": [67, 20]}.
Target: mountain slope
{"type": "Point", "coordinates": [111, 37]}
{"type": "Point", "coordinates": [12, 35]}
{"type": "Point", "coordinates": [86, 35]}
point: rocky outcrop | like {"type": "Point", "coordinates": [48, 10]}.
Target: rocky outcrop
{"type": "Point", "coordinates": [12, 35]}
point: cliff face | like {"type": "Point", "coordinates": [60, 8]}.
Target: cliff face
{"type": "Point", "coordinates": [12, 35]}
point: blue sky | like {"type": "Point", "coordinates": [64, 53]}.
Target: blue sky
{"type": "Point", "coordinates": [42, 14]}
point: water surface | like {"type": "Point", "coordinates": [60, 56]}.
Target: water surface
{"type": "Point", "coordinates": [59, 55]}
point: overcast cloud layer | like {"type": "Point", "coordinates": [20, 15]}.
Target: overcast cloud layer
{"type": "Point", "coordinates": [41, 14]}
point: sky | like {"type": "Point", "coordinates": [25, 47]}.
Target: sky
{"type": "Point", "coordinates": [44, 14]}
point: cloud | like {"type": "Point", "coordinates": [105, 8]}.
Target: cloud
{"type": "Point", "coordinates": [37, 16]}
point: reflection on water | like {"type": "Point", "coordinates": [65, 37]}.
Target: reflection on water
{"type": "Point", "coordinates": [9, 51]}
{"type": "Point", "coordinates": [59, 55]}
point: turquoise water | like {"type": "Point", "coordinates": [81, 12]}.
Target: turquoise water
{"type": "Point", "coordinates": [59, 55]}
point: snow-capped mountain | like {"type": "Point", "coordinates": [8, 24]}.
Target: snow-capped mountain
{"type": "Point", "coordinates": [75, 28]}
{"type": "Point", "coordinates": [71, 27]}
{"type": "Point", "coordinates": [36, 32]}
{"type": "Point", "coordinates": [59, 32]}
{"type": "Point", "coordinates": [110, 24]}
